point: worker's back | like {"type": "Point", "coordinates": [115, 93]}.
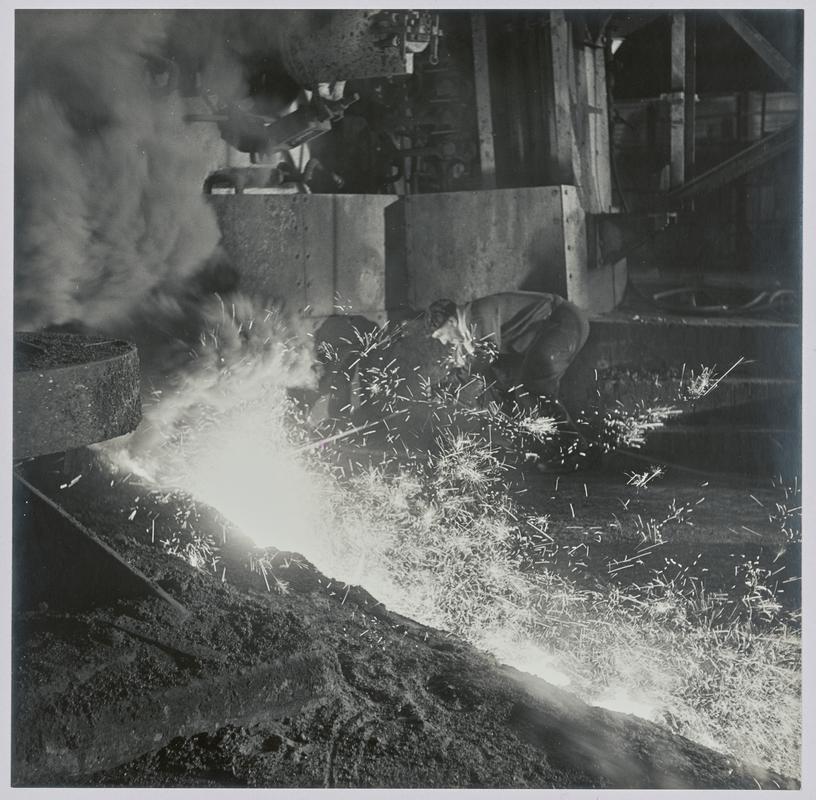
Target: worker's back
{"type": "Point", "coordinates": [511, 318]}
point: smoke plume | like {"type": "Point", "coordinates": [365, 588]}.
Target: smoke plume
{"type": "Point", "coordinates": [108, 201]}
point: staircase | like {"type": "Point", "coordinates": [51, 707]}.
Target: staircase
{"type": "Point", "coordinates": [750, 423]}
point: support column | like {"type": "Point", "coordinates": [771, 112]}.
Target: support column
{"type": "Point", "coordinates": [677, 105]}
{"type": "Point", "coordinates": [484, 114]}
{"type": "Point", "coordinates": [562, 142]}
{"type": "Point", "coordinates": [690, 96]}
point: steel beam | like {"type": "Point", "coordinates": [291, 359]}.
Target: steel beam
{"type": "Point", "coordinates": [738, 165]}
{"type": "Point", "coordinates": [60, 560]}
{"type": "Point", "coordinates": [625, 23]}
{"type": "Point", "coordinates": [761, 46]}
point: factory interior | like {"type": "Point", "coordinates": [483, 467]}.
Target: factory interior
{"type": "Point", "coordinates": [291, 511]}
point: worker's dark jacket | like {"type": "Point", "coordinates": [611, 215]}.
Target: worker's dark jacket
{"type": "Point", "coordinates": [339, 342]}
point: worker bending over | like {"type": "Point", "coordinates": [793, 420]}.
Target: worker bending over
{"type": "Point", "coordinates": [536, 336]}
{"type": "Point", "coordinates": [340, 344]}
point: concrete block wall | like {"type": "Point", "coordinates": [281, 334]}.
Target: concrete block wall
{"type": "Point", "coordinates": [314, 254]}
{"type": "Point", "coordinates": [464, 245]}
{"type": "Point", "coordinates": [377, 255]}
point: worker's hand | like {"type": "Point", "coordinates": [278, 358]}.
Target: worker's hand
{"type": "Point", "coordinates": [331, 91]}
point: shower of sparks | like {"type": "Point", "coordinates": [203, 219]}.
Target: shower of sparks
{"type": "Point", "coordinates": [435, 534]}
{"type": "Point", "coordinates": [787, 511]}
{"type": "Point", "coordinates": [641, 479]}
{"type": "Point", "coordinates": [198, 551]}
{"type": "Point", "coordinates": [625, 428]}
{"type": "Point", "coordinates": [542, 427]}
{"type": "Point", "coordinates": [263, 563]}
{"type": "Point", "coordinates": [707, 380]}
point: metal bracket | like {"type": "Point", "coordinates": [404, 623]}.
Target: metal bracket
{"type": "Point", "coordinates": [612, 237]}
{"type": "Point", "coordinates": [60, 561]}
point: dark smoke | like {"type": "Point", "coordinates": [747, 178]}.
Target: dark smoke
{"type": "Point", "coordinates": [228, 49]}
{"type": "Point", "coordinates": [108, 202]}
{"type": "Point", "coordinates": [112, 232]}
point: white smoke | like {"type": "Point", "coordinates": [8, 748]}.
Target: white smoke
{"type": "Point", "coordinates": [108, 200]}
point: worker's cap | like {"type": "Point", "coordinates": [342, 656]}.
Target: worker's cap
{"type": "Point", "coordinates": [438, 313]}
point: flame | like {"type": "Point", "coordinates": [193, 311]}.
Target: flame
{"type": "Point", "coordinates": [219, 431]}
{"type": "Point", "coordinates": [244, 468]}
{"type": "Point", "coordinates": [526, 656]}
{"type": "Point", "coordinates": [619, 699]}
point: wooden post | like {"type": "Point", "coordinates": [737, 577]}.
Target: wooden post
{"type": "Point", "coordinates": [515, 155]}
{"type": "Point", "coordinates": [690, 95]}
{"type": "Point", "coordinates": [677, 106]}
{"type": "Point", "coordinates": [562, 144]}
{"type": "Point", "coordinates": [484, 115]}
{"type": "Point", "coordinates": [601, 151]}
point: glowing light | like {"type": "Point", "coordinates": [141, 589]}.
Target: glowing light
{"type": "Point", "coordinates": [526, 656]}
{"type": "Point", "coordinates": [619, 699]}
{"type": "Point", "coordinates": [256, 484]}
{"type": "Point", "coordinates": [439, 539]}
